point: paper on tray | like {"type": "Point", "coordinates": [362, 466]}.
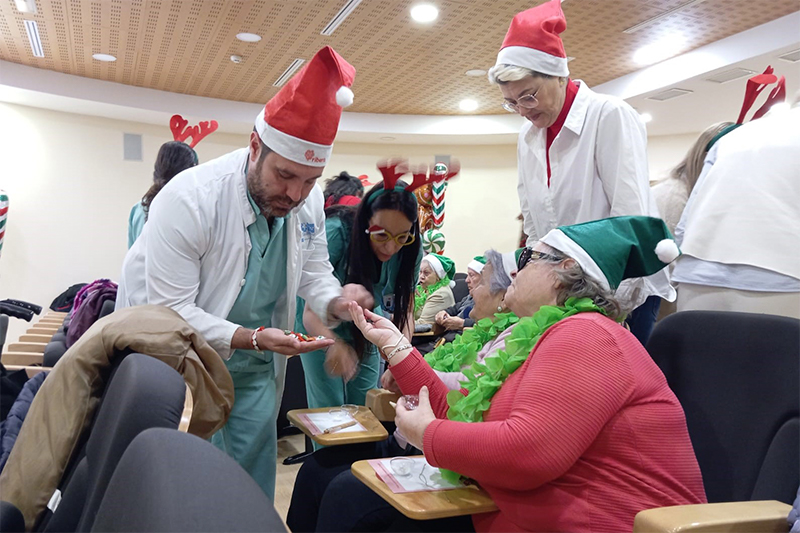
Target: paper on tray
{"type": "Point", "coordinates": [319, 422]}
{"type": "Point", "coordinates": [423, 476]}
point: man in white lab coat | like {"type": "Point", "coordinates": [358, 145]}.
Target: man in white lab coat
{"type": "Point", "coordinates": [231, 243]}
{"type": "Point", "coordinates": [582, 156]}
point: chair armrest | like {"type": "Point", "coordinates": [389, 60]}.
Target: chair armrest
{"type": "Point", "coordinates": [730, 517]}
{"type": "Point", "coordinates": [378, 402]}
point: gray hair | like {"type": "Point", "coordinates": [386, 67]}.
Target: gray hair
{"type": "Point", "coordinates": [500, 280]}
{"type": "Point", "coordinates": [575, 283]}
{"type": "Point", "coordinates": [500, 74]}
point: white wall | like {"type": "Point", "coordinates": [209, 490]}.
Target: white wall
{"type": "Point", "coordinates": [666, 151]}
{"type": "Point", "coordinates": [70, 194]}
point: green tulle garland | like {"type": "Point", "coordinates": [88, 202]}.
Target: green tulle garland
{"type": "Point", "coordinates": [463, 351]}
{"type": "Point", "coordinates": [423, 293]}
{"type": "Point", "coordinates": [485, 379]}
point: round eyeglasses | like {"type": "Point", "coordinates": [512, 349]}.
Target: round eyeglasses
{"type": "Point", "coordinates": [528, 101]}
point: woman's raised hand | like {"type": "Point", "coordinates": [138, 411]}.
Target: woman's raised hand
{"type": "Point", "coordinates": [377, 329]}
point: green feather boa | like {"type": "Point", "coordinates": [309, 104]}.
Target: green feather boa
{"type": "Point", "coordinates": [485, 379]}
{"type": "Point", "coordinates": [463, 351]}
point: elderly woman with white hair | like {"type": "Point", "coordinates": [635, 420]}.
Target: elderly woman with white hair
{"type": "Point", "coordinates": [435, 289]}
{"type": "Point", "coordinates": [581, 155]}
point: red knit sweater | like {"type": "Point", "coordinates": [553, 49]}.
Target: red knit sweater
{"type": "Point", "coordinates": [584, 435]}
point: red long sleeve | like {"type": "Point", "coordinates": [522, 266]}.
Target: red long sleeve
{"type": "Point", "coordinates": [581, 437]}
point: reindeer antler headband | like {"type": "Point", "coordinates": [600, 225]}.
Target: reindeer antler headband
{"type": "Point", "coordinates": [180, 131]}
{"type": "Point", "coordinates": [755, 85]}
{"type": "Point", "coordinates": [393, 170]}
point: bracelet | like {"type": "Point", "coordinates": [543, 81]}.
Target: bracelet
{"type": "Point", "coordinates": [396, 351]}
{"type": "Point", "coordinates": [254, 341]}
{"type": "Point", "coordinates": [399, 340]}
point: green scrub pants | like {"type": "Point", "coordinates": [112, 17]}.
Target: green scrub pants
{"type": "Point", "coordinates": [250, 435]}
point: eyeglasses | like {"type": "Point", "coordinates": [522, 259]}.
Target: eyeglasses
{"type": "Point", "coordinates": [380, 235]}
{"type": "Point", "coordinates": [529, 254]}
{"type": "Point", "coordinates": [528, 101]}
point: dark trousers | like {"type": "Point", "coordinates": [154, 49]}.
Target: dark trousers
{"type": "Point", "coordinates": [327, 497]}
{"type": "Point", "coordinates": [643, 318]}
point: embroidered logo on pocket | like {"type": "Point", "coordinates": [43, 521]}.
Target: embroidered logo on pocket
{"type": "Point", "coordinates": [307, 230]}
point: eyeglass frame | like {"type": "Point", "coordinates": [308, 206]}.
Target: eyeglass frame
{"type": "Point", "coordinates": [514, 107]}
{"type": "Point", "coordinates": [529, 255]}
{"type": "Point", "coordinates": [394, 238]}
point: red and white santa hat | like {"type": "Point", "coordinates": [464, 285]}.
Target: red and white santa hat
{"type": "Point", "coordinates": [301, 121]}
{"type": "Point", "coordinates": [533, 40]}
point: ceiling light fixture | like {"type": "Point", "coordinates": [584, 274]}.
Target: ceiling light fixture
{"type": "Point", "coordinates": [108, 58]}
{"type": "Point", "coordinates": [669, 94]}
{"type": "Point", "coordinates": [340, 17]}
{"type": "Point", "coordinates": [289, 72]}
{"type": "Point", "coordinates": [729, 75]}
{"type": "Point", "coordinates": [26, 6]}
{"type": "Point", "coordinates": [476, 73]}
{"type": "Point", "coordinates": [468, 104]}
{"type": "Point", "coordinates": [646, 117]}
{"type": "Point", "coordinates": [248, 37]}
{"type": "Point", "coordinates": [665, 14]}
{"type": "Point", "coordinates": [236, 59]}
{"type": "Point", "coordinates": [34, 38]}
{"type": "Point", "coordinates": [792, 57]}
{"type": "Point", "coordinates": [662, 49]}
{"type": "Point", "coordinates": [424, 13]}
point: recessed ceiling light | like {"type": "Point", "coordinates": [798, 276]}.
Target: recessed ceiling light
{"type": "Point", "coordinates": [660, 50]}
{"type": "Point", "coordinates": [468, 104]}
{"type": "Point", "coordinates": [104, 57]}
{"type": "Point", "coordinates": [236, 59]}
{"type": "Point", "coordinates": [26, 6]}
{"type": "Point", "coordinates": [646, 117]}
{"type": "Point", "coordinates": [424, 13]}
{"type": "Point", "coordinates": [476, 72]}
{"type": "Point", "coordinates": [248, 37]}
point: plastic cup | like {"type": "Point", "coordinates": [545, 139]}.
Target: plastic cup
{"type": "Point", "coordinates": [401, 466]}
{"type": "Point", "coordinates": [350, 409]}
{"type": "Point", "coordinates": [338, 414]}
{"type": "Point", "coordinates": [411, 401]}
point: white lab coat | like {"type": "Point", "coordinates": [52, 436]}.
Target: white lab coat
{"type": "Point", "coordinates": [192, 254]}
{"type": "Point", "coordinates": [598, 164]}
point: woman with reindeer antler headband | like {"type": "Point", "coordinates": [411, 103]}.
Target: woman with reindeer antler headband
{"type": "Point", "coordinates": [375, 244]}
{"type": "Point", "coordinates": [173, 158]}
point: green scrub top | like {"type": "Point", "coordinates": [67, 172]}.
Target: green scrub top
{"type": "Point", "coordinates": [382, 290]}
{"type": "Point", "coordinates": [135, 223]}
{"type": "Point", "coordinates": [265, 283]}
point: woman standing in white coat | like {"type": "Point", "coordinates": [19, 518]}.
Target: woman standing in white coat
{"type": "Point", "coordinates": [582, 156]}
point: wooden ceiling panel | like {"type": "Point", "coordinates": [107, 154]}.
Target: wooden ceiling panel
{"type": "Point", "coordinates": [185, 46]}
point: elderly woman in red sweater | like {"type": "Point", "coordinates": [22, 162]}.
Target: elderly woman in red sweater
{"type": "Point", "coordinates": [581, 431]}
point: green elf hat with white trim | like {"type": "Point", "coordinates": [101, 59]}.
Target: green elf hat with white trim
{"type": "Point", "coordinates": [613, 249]}
{"type": "Point", "coordinates": [477, 264]}
{"type": "Point", "coordinates": [510, 260]}
{"type": "Point", "coordinates": [443, 266]}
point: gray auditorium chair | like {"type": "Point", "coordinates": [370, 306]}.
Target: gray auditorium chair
{"type": "Point", "coordinates": [142, 393]}
{"type": "Point", "coordinates": [171, 481]}
{"type": "Point", "coordinates": [736, 376]}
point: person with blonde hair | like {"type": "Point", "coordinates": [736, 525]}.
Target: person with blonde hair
{"type": "Point", "coordinates": [672, 192]}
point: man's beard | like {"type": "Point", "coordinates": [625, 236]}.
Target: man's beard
{"type": "Point", "coordinates": [270, 206]}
